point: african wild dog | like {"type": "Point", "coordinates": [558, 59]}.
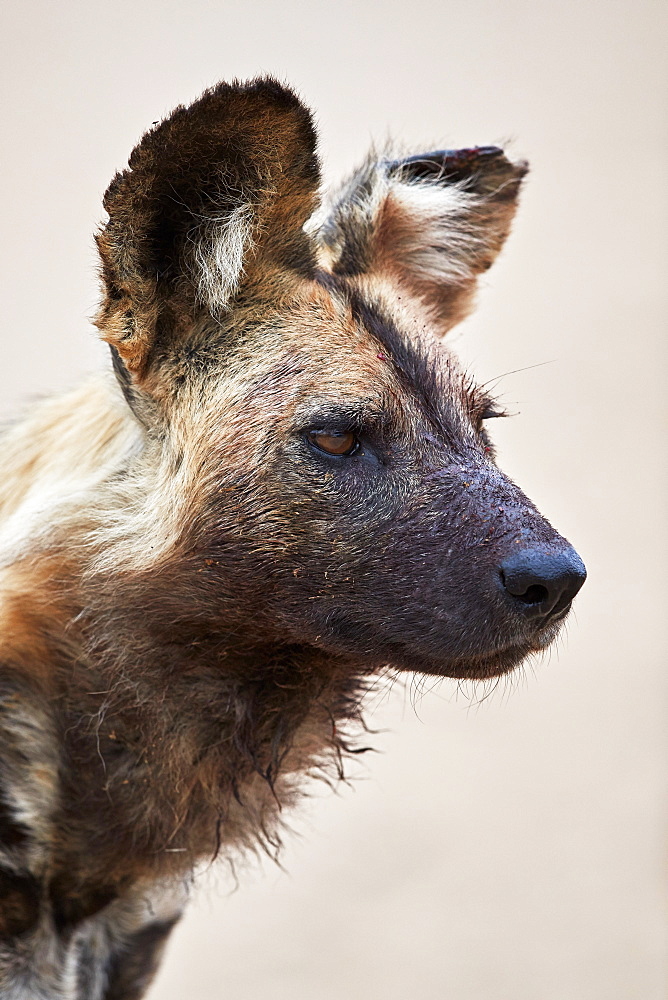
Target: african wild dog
{"type": "Point", "coordinates": [287, 486]}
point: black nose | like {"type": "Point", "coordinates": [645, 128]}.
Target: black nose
{"type": "Point", "coordinates": [541, 581]}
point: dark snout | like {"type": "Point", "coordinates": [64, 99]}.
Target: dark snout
{"type": "Point", "coordinates": [468, 581]}
{"type": "Point", "coordinates": [542, 581]}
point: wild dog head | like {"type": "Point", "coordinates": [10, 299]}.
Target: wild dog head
{"type": "Point", "coordinates": [316, 465]}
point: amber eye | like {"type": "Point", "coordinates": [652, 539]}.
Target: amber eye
{"type": "Point", "coordinates": [334, 442]}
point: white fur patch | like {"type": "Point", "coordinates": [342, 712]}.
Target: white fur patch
{"type": "Point", "coordinates": [220, 248]}
{"type": "Point", "coordinates": [439, 241]}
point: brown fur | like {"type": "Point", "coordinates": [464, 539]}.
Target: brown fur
{"type": "Point", "coordinates": [194, 595]}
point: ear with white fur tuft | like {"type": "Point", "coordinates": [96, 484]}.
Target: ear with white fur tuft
{"type": "Point", "coordinates": [214, 198]}
{"type": "Point", "coordinates": [427, 224]}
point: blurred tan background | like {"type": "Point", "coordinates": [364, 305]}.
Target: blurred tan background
{"type": "Point", "coordinates": [500, 848]}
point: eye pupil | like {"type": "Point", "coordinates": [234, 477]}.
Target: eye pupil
{"type": "Point", "coordinates": [334, 443]}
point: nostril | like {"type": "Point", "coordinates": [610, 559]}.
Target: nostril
{"type": "Point", "coordinates": [535, 594]}
{"type": "Point", "coordinates": [523, 589]}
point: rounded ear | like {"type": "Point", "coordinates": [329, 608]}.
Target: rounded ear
{"type": "Point", "coordinates": [214, 197]}
{"type": "Point", "coordinates": [430, 223]}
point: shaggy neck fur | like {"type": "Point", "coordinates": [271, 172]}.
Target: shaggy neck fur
{"type": "Point", "coordinates": [179, 735]}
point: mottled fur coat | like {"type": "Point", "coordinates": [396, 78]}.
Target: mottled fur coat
{"type": "Point", "coordinates": [285, 485]}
